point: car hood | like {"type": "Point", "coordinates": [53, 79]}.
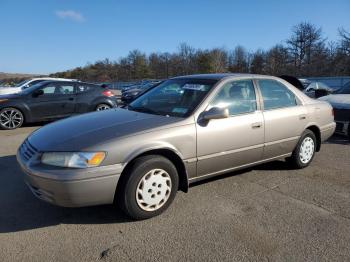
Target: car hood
{"type": "Point", "coordinates": [81, 133]}
{"type": "Point", "coordinates": [9, 90]}
{"type": "Point", "coordinates": [10, 96]}
{"type": "Point", "coordinates": [339, 101]}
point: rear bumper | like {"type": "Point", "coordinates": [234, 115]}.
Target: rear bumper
{"type": "Point", "coordinates": [66, 187]}
{"type": "Point", "coordinates": [342, 127]}
{"type": "Point", "coordinates": [327, 131]}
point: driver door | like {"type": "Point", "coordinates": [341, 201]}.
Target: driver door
{"type": "Point", "coordinates": [57, 100]}
{"type": "Point", "coordinates": [223, 144]}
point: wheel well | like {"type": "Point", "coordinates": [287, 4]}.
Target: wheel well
{"type": "Point", "coordinates": [19, 109]}
{"type": "Point", "coordinates": [170, 155]}
{"type": "Point", "coordinates": [317, 133]}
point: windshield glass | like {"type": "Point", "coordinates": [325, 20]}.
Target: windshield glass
{"type": "Point", "coordinates": [22, 83]}
{"type": "Point", "coordinates": [176, 97]}
{"type": "Point", "coordinates": [33, 87]}
{"type": "Point", "coordinates": [344, 90]}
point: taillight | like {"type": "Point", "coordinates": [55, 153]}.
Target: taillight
{"type": "Point", "coordinates": [107, 93]}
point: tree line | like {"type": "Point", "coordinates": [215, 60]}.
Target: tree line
{"type": "Point", "coordinates": [306, 53]}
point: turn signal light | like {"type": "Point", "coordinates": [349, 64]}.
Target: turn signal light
{"type": "Point", "coordinates": [96, 159]}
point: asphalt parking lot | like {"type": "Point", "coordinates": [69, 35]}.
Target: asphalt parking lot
{"type": "Point", "coordinates": [267, 213]}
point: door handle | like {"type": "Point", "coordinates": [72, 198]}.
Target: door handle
{"type": "Point", "coordinates": [71, 98]}
{"type": "Point", "coordinates": [302, 117]}
{"type": "Point", "coordinates": [256, 125]}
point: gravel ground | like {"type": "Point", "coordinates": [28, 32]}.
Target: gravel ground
{"type": "Point", "coordinates": [267, 213]}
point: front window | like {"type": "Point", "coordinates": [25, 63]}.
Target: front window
{"type": "Point", "coordinates": [175, 97]}
{"type": "Point", "coordinates": [237, 96]}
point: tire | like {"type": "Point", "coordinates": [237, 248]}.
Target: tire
{"type": "Point", "coordinates": [148, 187]}
{"type": "Point", "coordinates": [11, 118]}
{"type": "Point", "coordinates": [102, 107]}
{"type": "Point", "coordinates": [304, 151]}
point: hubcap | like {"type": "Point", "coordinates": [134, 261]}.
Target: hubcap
{"type": "Point", "coordinates": [10, 118]}
{"type": "Point", "coordinates": [153, 190]}
{"type": "Point", "coordinates": [103, 107]}
{"type": "Point", "coordinates": [306, 150]}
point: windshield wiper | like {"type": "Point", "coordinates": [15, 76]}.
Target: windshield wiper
{"type": "Point", "coordinates": [143, 110]}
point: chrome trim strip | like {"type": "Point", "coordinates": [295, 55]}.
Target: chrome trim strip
{"type": "Point", "coordinates": [230, 152]}
{"type": "Point", "coordinates": [238, 167]}
{"type": "Point", "coordinates": [282, 140]}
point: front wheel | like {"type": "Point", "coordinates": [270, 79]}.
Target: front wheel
{"type": "Point", "coordinates": [305, 150]}
{"type": "Point", "coordinates": [102, 107]}
{"type": "Point", "coordinates": [11, 118]}
{"type": "Point", "coordinates": [148, 188]}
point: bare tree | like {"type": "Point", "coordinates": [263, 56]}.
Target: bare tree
{"type": "Point", "coordinates": [238, 60]}
{"type": "Point", "coordinates": [306, 40]}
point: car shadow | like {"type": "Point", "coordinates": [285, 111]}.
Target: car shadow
{"type": "Point", "coordinates": [338, 140]}
{"type": "Point", "coordinates": [269, 166]}
{"type": "Point", "coordinates": [20, 210]}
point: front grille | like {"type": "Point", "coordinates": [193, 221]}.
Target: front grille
{"type": "Point", "coordinates": [27, 150]}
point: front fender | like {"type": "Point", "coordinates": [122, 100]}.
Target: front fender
{"type": "Point", "coordinates": [150, 147]}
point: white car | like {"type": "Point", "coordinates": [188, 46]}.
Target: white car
{"type": "Point", "coordinates": [5, 90]}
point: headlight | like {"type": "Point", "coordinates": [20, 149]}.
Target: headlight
{"type": "Point", "coordinates": [73, 159]}
{"type": "Point", "coordinates": [3, 100]}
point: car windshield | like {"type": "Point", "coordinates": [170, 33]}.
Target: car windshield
{"type": "Point", "coordinates": [22, 83]}
{"type": "Point", "coordinates": [33, 87]}
{"type": "Point", "coordinates": [343, 90]}
{"type": "Point", "coordinates": [175, 97]}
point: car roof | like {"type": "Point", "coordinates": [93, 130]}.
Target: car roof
{"type": "Point", "coordinates": [68, 81]}
{"type": "Point", "coordinates": [217, 76]}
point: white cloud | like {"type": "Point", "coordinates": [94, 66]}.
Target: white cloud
{"type": "Point", "coordinates": [70, 15]}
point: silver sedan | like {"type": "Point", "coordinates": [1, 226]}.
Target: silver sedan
{"type": "Point", "coordinates": [184, 130]}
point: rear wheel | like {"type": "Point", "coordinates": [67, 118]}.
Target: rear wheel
{"type": "Point", "coordinates": [305, 150]}
{"type": "Point", "coordinates": [148, 188]}
{"type": "Point", "coordinates": [11, 118]}
{"type": "Point", "coordinates": [102, 107]}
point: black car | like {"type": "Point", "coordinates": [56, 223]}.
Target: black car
{"type": "Point", "coordinates": [340, 100]}
{"type": "Point", "coordinates": [53, 100]}
{"type": "Point", "coordinates": [128, 95]}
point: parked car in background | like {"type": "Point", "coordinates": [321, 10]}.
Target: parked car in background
{"type": "Point", "coordinates": [28, 83]}
{"type": "Point", "coordinates": [340, 100]}
{"type": "Point", "coordinates": [184, 130]}
{"type": "Point", "coordinates": [50, 100]}
{"type": "Point", "coordinates": [317, 89]}
{"type": "Point", "coordinates": [305, 82]}
{"type": "Point", "coordinates": [131, 93]}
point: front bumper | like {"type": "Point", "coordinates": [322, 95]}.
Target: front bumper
{"type": "Point", "coordinates": [70, 187]}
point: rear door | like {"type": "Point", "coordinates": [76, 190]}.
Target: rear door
{"type": "Point", "coordinates": [57, 100]}
{"type": "Point", "coordinates": [86, 94]}
{"type": "Point", "coordinates": [284, 116]}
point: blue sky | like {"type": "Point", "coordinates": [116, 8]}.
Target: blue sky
{"type": "Point", "coordinates": [54, 35]}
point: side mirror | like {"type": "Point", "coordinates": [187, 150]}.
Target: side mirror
{"type": "Point", "coordinates": [37, 93]}
{"type": "Point", "coordinates": [215, 113]}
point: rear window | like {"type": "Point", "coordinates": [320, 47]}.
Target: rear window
{"type": "Point", "coordinates": [276, 95]}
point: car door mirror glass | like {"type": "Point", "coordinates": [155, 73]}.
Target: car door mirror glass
{"type": "Point", "coordinates": [215, 113]}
